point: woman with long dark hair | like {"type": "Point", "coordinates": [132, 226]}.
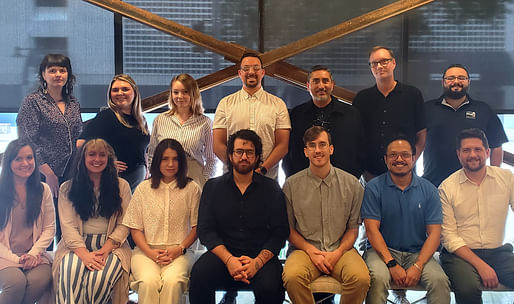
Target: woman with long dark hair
{"type": "Point", "coordinates": [162, 218]}
{"type": "Point", "coordinates": [27, 227]}
{"type": "Point", "coordinates": [124, 127]}
{"type": "Point", "coordinates": [92, 261]}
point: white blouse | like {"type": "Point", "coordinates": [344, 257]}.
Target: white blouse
{"type": "Point", "coordinates": [166, 215]}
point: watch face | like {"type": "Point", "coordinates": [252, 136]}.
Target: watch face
{"type": "Point", "coordinates": [391, 263]}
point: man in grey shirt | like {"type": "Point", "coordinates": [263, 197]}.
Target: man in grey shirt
{"type": "Point", "coordinates": [323, 208]}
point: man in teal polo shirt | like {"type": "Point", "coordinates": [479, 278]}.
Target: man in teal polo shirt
{"type": "Point", "coordinates": [402, 215]}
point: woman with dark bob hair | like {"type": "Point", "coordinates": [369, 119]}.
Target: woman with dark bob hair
{"type": "Point", "coordinates": [162, 218]}
{"type": "Point", "coordinates": [49, 118]}
{"type": "Point", "coordinates": [27, 227]}
{"type": "Point", "coordinates": [92, 261]}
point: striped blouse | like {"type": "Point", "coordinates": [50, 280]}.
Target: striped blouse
{"type": "Point", "coordinates": [195, 136]}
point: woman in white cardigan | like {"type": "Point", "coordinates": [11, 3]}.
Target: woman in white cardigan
{"type": "Point", "coordinates": [92, 261]}
{"type": "Point", "coordinates": [27, 223]}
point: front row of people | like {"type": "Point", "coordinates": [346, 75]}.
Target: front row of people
{"type": "Point", "coordinates": [244, 218]}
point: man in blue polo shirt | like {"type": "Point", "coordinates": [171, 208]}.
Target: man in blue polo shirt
{"type": "Point", "coordinates": [402, 215]}
{"type": "Point", "coordinates": [451, 113]}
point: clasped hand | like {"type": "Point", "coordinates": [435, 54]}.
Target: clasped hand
{"type": "Point", "coordinates": [165, 256]}
{"type": "Point", "coordinates": [30, 261]}
{"type": "Point", "coordinates": [243, 268]}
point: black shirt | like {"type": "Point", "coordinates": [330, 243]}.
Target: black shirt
{"type": "Point", "coordinates": [244, 223]}
{"type": "Point", "coordinates": [345, 127]}
{"type": "Point", "coordinates": [383, 118]}
{"type": "Point", "coordinates": [129, 144]}
{"type": "Point", "coordinates": [444, 124]}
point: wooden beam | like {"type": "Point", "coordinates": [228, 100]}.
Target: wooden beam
{"type": "Point", "coordinates": [341, 30]}
{"type": "Point", "coordinates": [230, 51]}
{"type": "Point", "coordinates": [298, 77]}
{"type": "Point", "coordinates": [161, 99]}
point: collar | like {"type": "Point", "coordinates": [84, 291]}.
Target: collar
{"type": "Point", "coordinates": [464, 178]}
{"type": "Point", "coordinates": [413, 183]}
{"type": "Point", "coordinates": [444, 103]}
{"type": "Point", "coordinates": [398, 88]}
{"type": "Point", "coordinates": [245, 95]}
{"type": "Point", "coordinates": [318, 181]}
{"type": "Point", "coordinates": [170, 186]}
{"type": "Point", "coordinates": [229, 178]}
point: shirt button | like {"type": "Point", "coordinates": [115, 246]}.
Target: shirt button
{"type": "Point", "coordinates": [241, 217]}
{"type": "Point", "coordinates": [383, 122]}
{"type": "Point", "coordinates": [385, 111]}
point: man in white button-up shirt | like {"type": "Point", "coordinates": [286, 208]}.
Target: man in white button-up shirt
{"type": "Point", "coordinates": [255, 109]}
{"type": "Point", "coordinates": [475, 203]}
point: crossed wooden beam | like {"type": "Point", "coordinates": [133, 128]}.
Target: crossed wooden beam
{"type": "Point", "coordinates": [272, 60]}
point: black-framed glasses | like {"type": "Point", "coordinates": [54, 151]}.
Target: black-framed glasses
{"type": "Point", "coordinates": [382, 62]}
{"type": "Point", "coordinates": [249, 152]}
{"type": "Point", "coordinates": [452, 78]}
{"type": "Point", "coordinates": [322, 145]}
{"type": "Point", "coordinates": [395, 155]}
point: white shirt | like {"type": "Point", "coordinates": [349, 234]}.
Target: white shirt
{"type": "Point", "coordinates": [475, 215]}
{"type": "Point", "coordinates": [166, 215]}
{"type": "Point", "coordinates": [195, 136]}
{"type": "Point", "coordinates": [261, 112]}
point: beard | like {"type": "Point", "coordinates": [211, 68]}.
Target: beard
{"type": "Point", "coordinates": [476, 168]}
{"type": "Point", "coordinates": [448, 92]}
{"type": "Point", "coordinates": [243, 167]}
{"type": "Point", "coordinates": [251, 85]}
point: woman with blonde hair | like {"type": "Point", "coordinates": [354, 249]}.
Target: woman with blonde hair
{"type": "Point", "coordinates": [186, 123]}
{"type": "Point", "coordinates": [124, 127]}
{"type": "Point", "coordinates": [92, 261]}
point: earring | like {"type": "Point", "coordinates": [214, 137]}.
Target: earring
{"type": "Point", "coordinates": [45, 85]}
{"type": "Point", "coordinates": [66, 90]}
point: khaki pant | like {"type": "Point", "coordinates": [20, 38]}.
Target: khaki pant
{"type": "Point", "coordinates": [350, 270]}
{"type": "Point", "coordinates": [165, 283]}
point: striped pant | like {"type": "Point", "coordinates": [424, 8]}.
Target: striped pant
{"type": "Point", "coordinates": [79, 285]}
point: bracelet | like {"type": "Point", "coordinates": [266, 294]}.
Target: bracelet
{"type": "Point", "coordinates": [417, 266]}
{"type": "Point", "coordinates": [231, 256]}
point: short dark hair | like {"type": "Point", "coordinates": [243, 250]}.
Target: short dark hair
{"type": "Point", "coordinates": [404, 137]}
{"type": "Point", "coordinates": [319, 68]}
{"type": "Point", "coordinates": [472, 133]}
{"type": "Point", "coordinates": [380, 47]}
{"type": "Point", "coordinates": [244, 134]}
{"type": "Point", "coordinates": [312, 133]}
{"type": "Point", "coordinates": [155, 167]}
{"type": "Point", "coordinates": [250, 54]}
{"type": "Point", "coordinates": [456, 65]}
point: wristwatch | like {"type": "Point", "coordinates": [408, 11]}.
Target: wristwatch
{"type": "Point", "coordinates": [391, 263]}
{"type": "Point", "coordinates": [263, 170]}
{"type": "Point", "coordinates": [184, 250]}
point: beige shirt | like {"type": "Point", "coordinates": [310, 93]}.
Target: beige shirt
{"type": "Point", "coordinates": [166, 215]}
{"type": "Point", "coordinates": [475, 215]}
{"type": "Point", "coordinates": [321, 210]}
{"type": "Point", "coordinates": [261, 112]}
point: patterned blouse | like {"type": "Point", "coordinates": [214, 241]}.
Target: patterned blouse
{"type": "Point", "coordinates": [53, 133]}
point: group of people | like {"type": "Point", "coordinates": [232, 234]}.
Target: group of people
{"type": "Point", "coordinates": [98, 184]}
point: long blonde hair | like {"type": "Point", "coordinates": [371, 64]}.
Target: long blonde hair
{"type": "Point", "coordinates": [135, 110]}
{"type": "Point", "coordinates": [194, 91]}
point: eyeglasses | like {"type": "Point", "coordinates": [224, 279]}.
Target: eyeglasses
{"type": "Point", "coordinates": [249, 152]}
{"type": "Point", "coordinates": [452, 78]}
{"type": "Point", "coordinates": [404, 155]}
{"type": "Point", "coordinates": [312, 145]}
{"type": "Point", "coordinates": [247, 68]}
{"type": "Point", "coordinates": [382, 62]}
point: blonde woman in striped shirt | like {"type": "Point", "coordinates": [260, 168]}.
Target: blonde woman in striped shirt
{"type": "Point", "coordinates": [186, 123]}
